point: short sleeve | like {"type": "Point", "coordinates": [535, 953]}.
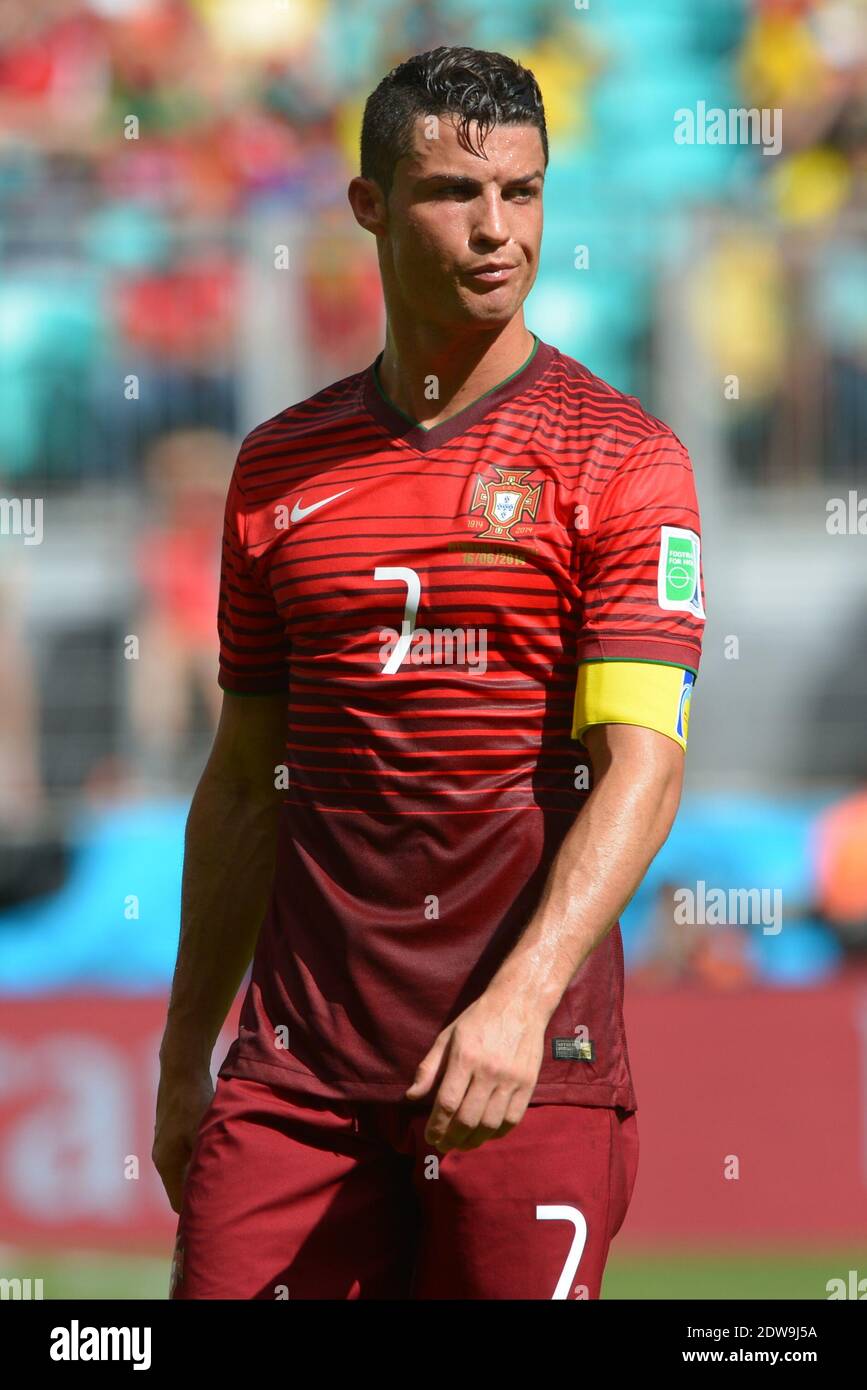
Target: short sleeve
{"type": "Point", "coordinates": [253, 641]}
{"type": "Point", "coordinates": [642, 584]}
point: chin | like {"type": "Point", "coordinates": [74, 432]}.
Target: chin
{"type": "Point", "coordinates": [491, 309]}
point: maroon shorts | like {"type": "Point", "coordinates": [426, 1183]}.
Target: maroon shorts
{"type": "Point", "coordinates": [289, 1196]}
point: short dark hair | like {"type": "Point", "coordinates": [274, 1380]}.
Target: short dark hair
{"type": "Point", "coordinates": [468, 82]}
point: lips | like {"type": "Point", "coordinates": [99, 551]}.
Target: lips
{"type": "Point", "coordinates": [493, 273]}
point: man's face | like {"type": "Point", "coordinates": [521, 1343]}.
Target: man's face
{"type": "Point", "coordinates": [452, 212]}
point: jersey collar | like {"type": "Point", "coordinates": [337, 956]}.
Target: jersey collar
{"type": "Point", "coordinates": [423, 439]}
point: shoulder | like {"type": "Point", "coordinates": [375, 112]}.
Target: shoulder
{"type": "Point", "coordinates": [613, 427]}
{"type": "Point", "coordinates": [328, 412]}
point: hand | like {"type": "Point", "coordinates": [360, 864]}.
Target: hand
{"type": "Point", "coordinates": [487, 1062]}
{"type": "Point", "coordinates": [182, 1099]}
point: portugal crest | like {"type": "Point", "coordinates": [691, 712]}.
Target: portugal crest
{"type": "Point", "coordinates": [507, 502]}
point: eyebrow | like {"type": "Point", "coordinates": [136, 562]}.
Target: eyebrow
{"type": "Point", "coordinates": [467, 181]}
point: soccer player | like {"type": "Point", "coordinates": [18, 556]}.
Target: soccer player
{"type": "Point", "coordinates": [460, 620]}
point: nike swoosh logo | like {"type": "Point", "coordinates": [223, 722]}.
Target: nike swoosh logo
{"type": "Point", "coordinates": [298, 512]}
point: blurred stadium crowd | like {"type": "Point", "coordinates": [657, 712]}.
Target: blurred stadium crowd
{"type": "Point", "coordinates": [147, 150]}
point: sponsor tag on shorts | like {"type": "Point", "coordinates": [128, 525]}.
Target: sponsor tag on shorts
{"type": "Point", "coordinates": [571, 1050]}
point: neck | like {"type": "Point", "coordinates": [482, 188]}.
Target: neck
{"type": "Point", "coordinates": [465, 366]}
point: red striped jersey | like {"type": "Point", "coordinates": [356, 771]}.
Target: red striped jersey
{"type": "Point", "coordinates": [424, 597]}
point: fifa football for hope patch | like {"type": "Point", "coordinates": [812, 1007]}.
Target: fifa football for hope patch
{"type": "Point", "coordinates": [678, 581]}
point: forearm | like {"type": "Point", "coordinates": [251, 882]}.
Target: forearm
{"type": "Point", "coordinates": [229, 859]}
{"type": "Point", "coordinates": [597, 869]}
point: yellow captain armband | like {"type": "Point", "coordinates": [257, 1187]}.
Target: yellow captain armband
{"type": "Point", "coordinates": [646, 693]}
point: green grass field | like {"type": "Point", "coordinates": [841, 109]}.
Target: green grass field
{"type": "Point", "coordinates": [759, 1274]}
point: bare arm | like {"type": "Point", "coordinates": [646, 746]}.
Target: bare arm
{"type": "Point", "coordinates": [626, 820]}
{"type": "Point", "coordinates": [229, 860]}
{"type": "Point", "coordinates": [488, 1059]}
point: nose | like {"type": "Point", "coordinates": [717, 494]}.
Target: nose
{"type": "Point", "coordinates": [490, 225]}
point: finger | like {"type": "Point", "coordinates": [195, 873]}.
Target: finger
{"type": "Point", "coordinates": [449, 1098]}
{"type": "Point", "coordinates": [175, 1181]}
{"type": "Point", "coordinates": [495, 1111]}
{"type": "Point", "coordinates": [515, 1107]}
{"type": "Point", "coordinates": [172, 1190]}
{"type": "Point", "coordinates": [428, 1068]}
{"type": "Point", "coordinates": [467, 1118]}
{"type": "Point", "coordinates": [175, 1190]}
